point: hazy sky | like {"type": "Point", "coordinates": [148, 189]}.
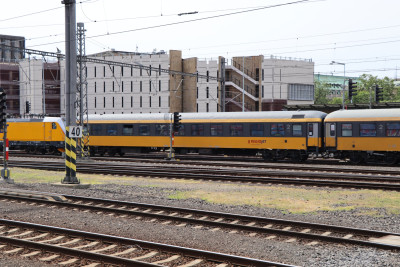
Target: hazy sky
{"type": "Point", "coordinates": [363, 34]}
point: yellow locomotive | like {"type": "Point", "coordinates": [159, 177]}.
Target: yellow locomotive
{"type": "Point", "coordinates": [46, 135]}
{"type": "Point", "coordinates": [275, 134]}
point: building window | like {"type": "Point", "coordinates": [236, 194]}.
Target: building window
{"type": "Point", "coordinates": [113, 70]}
{"type": "Point", "coordinates": [150, 70]}
{"type": "Point", "coordinates": [262, 73]}
{"type": "Point", "coordinates": [207, 92]}
{"type": "Point", "coordinates": [95, 102]}
{"type": "Point", "coordinates": [104, 71]}
{"type": "Point", "coordinates": [262, 91]}
{"type": "Point", "coordinates": [122, 102]}
{"type": "Point", "coordinates": [95, 87]}
{"type": "Point", "coordinates": [208, 73]}
{"type": "Point", "coordinates": [141, 101]}
{"type": "Point", "coordinates": [104, 87]}
{"type": "Point", "coordinates": [159, 69]}
{"type": "Point", "coordinates": [131, 86]}
{"type": "Point", "coordinates": [140, 86]}
{"type": "Point", "coordinates": [197, 92]}
{"type": "Point", "coordinates": [159, 101]}
{"type": "Point", "coordinates": [131, 101]}
{"type": "Point", "coordinates": [159, 85]}
{"type": "Point", "coordinates": [150, 86]}
{"type": "Point", "coordinates": [131, 71]}
{"type": "Point", "coordinates": [347, 129]}
{"type": "Point", "coordinates": [207, 105]}
{"type": "Point", "coordinates": [113, 87]}
{"type": "Point", "coordinates": [149, 101]}
{"type": "Point", "coordinates": [104, 104]}
{"type": "Point", "coordinates": [301, 92]}
{"type": "Point", "coordinates": [122, 71]}
{"type": "Point", "coordinates": [113, 101]}
{"type": "Point", "coordinates": [122, 86]}
{"type": "Point", "coordinates": [95, 71]}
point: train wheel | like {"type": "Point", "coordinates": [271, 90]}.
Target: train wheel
{"type": "Point", "coordinates": [356, 158]}
{"type": "Point", "coordinates": [391, 159]}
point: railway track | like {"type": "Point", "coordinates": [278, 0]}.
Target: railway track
{"type": "Point", "coordinates": [290, 177]}
{"type": "Point", "coordinates": [269, 228]}
{"type": "Point", "coordinates": [64, 246]}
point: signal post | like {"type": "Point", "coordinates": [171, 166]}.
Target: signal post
{"type": "Point", "coordinates": [175, 124]}
{"type": "Point", "coordinates": [5, 172]}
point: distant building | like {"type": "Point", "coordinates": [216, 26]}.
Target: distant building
{"type": "Point", "coordinates": [7, 43]}
{"type": "Point", "coordinates": [335, 83]}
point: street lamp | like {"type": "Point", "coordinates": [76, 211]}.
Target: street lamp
{"type": "Point", "coordinates": [344, 79]}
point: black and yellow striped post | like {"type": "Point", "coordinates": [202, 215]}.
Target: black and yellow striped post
{"type": "Point", "coordinates": [70, 160]}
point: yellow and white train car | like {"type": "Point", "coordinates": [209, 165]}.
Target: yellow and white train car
{"type": "Point", "coordinates": [367, 134]}
{"type": "Point", "coordinates": [45, 135]}
{"type": "Point", "coordinates": [276, 134]}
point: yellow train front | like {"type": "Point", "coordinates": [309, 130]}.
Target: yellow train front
{"type": "Point", "coordinates": [364, 135]}
{"type": "Point", "coordinates": [42, 136]}
{"type": "Point", "coordinates": [274, 134]}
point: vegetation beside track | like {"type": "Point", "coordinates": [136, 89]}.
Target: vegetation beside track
{"type": "Point", "coordinates": [288, 199]}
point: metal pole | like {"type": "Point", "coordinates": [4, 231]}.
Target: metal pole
{"type": "Point", "coordinates": [70, 89]}
{"type": "Point", "coordinates": [243, 88]}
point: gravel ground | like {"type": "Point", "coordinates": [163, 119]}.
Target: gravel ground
{"type": "Point", "coordinates": [290, 253]}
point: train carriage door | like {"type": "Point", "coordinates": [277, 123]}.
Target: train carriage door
{"type": "Point", "coordinates": [330, 134]}
{"type": "Point", "coordinates": [47, 131]}
{"type": "Point", "coordinates": [312, 135]}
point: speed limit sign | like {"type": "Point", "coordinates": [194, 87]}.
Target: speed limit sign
{"type": "Point", "coordinates": [75, 131]}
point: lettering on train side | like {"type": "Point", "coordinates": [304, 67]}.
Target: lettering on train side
{"type": "Point", "coordinates": [256, 141]}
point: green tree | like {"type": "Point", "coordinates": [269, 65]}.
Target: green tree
{"type": "Point", "coordinates": [366, 89]}
{"type": "Point", "coordinates": [321, 92]}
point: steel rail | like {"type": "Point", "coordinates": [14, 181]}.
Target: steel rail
{"type": "Point", "coordinates": [123, 209]}
{"type": "Point", "coordinates": [211, 256]}
{"type": "Point", "coordinates": [202, 175]}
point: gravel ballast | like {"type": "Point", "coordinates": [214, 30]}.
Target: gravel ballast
{"type": "Point", "coordinates": [296, 253]}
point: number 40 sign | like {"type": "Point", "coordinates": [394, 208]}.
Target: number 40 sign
{"type": "Point", "coordinates": [75, 131]}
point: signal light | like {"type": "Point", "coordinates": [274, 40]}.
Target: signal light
{"type": "Point", "coordinates": [352, 89]}
{"type": "Point", "coordinates": [177, 121]}
{"type": "Point", "coordinates": [378, 93]}
{"type": "Point", "coordinates": [3, 108]}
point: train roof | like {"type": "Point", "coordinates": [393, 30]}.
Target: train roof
{"type": "Point", "coordinates": [365, 114]}
{"type": "Point", "coordinates": [212, 116]}
{"type": "Point", "coordinates": [45, 119]}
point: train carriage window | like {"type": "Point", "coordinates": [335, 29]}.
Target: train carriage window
{"type": "Point", "coordinates": [368, 129]}
{"type": "Point", "coordinates": [310, 129]}
{"type": "Point", "coordinates": [112, 129]}
{"type": "Point", "coordinates": [216, 129]}
{"type": "Point", "coordinates": [236, 130]}
{"type": "Point", "coordinates": [332, 130]}
{"type": "Point", "coordinates": [393, 129]}
{"type": "Point", "coordinates": [95, 129]}
{"type": "Point", "coordinates": [127, 129]}
{"type": "Point", "coordinates": [144, 130]}
{"type": "Point", "coordinates": [197, 130]}
{"type": "Point", "coordinates": [53, 125]}
{"type": "Point", "coordinates": [256, 129]}
{"type": "Point", "coordinates": [297, 130]}
{"type": "Point", "coordinates": [347, 129]}
{"type": "Point", "coordinates": [162, 130]}
{"type": "Point", "coordinates": [277, 129]}
{"type": "Point", "coordinates": [181, 131]}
